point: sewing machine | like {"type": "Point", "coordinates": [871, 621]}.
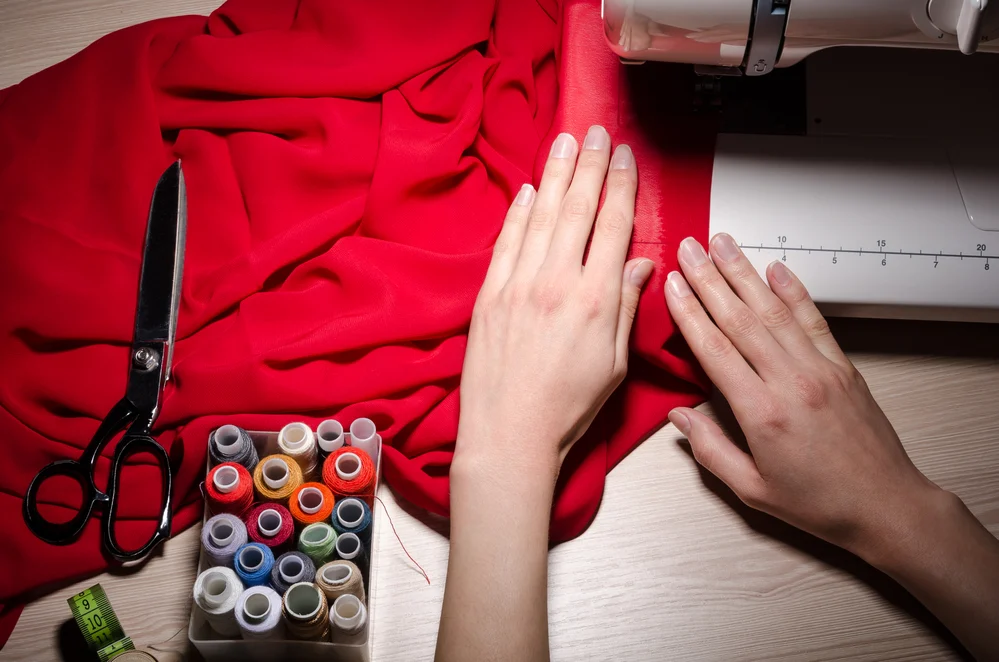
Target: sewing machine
{"type": "Point", "coordinates": [874, 175]}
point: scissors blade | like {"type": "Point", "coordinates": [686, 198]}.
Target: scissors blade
{"type": "Point", "coordinates": [162, 266]}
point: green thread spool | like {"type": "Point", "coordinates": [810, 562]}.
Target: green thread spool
{"type": "Point", "coordinates": [318, 542]}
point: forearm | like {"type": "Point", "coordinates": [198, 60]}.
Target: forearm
{"type": "Point", "coordinates": [496, 598]}
{"type": "Point", "coordinates": [950, 563]}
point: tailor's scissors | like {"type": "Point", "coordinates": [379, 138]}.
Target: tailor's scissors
{"type": "Point", "coordinates": [149, 369]}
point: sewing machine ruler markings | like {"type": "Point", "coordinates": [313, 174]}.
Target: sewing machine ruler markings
{"type": "Point", "coordinates": [882, 251]}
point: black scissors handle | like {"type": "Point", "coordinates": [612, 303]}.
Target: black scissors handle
{"type": "Point", "coordinates": [82, 471]}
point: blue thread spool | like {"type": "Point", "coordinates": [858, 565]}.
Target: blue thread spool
{"type": "Point", "coordinates": [253, 564]}
{"type": "Point", "coordinates": [352, 516]}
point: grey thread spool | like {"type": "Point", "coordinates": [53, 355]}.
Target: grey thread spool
{"type": "Point", "coordinates": [350, 548]}
{"type": "Point", "coordinates": [221, 536]}
{"type": "Point", "coordinates": [232, 444]}
{"type": "Point", "coordinates": [291, 568]}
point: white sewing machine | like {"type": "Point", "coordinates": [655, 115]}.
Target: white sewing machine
{"type": "Point", "coordinates": [884, 197]}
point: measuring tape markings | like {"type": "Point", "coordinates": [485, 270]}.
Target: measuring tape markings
{"type": "Point", "coordinates": [99, 624]}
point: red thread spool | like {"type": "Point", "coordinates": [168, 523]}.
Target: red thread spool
{"type": "Point", "coordinates": [311, 503]}
{"type": "Point", "coordinates": [230, 489]}
{"type": "Point", "coordinates": [349, 471]}
{"type": "Point", "coordinates": [270, 524]}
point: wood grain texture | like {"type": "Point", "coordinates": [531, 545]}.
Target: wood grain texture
{"type": "Point", "coordinates": [673, 567]}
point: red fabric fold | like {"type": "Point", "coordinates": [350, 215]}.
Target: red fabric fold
{"type": "Point", "coordinates": [348, 171]}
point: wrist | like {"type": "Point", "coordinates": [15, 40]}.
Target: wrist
{"type": "Point", "coordinates": [498, 462]}
{"type": "Point", "coordinates": [906, 535]}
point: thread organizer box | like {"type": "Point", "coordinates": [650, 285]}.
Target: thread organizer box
{"type": "Point", "coordinates": [218, 648]}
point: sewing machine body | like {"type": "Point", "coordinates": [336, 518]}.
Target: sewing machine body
{"type": "Point", "coordinates": [882, 189]}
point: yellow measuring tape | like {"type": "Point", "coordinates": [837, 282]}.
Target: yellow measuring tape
{"type": "Point", "coordinates": [99, 624]}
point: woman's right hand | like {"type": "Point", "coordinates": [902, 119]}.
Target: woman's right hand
{"type": "Point", "coordinates": [823, 455]}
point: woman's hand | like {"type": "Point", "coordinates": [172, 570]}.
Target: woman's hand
{"type": "Point", "coordinates": [547, 346]}
{"type": "Point", "coordinates": [823, 456]}
{"type": "Point", "coordinates": [549, 337]}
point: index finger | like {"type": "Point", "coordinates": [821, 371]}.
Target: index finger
{"type": "Point", "coordinates": [615, 222]}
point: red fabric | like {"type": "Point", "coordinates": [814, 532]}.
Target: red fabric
{"type": "Point", "coordinates": [347, 173]}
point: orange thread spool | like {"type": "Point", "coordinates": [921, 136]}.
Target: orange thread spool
{"type": "Point", "coordinates": [349, 471]}
{"type": "Point", "coordinates": [314, 497]}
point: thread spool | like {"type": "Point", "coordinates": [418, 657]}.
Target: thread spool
{"type": "Point", "coordinates": [276, 477]}
{"type": "Point", "coordinates": [350, 548]}
{"type": "Point", "coordinates": [306, 613]}
{"type": "Point", "coordinates": [232, 444]}
{"type": "Point", "coordinates": [292, 568]}
{"type": "Point", "coordinates": [229, 489]}
{"type": "Point", "coordinates": [352, 515]}
{"type": "Point", "coordinates": [297, 442]}
{"type": "Point", "coordinates": [364, 435]}
{"type": "Point", "coordinates": [221, 536]}
{"type": "Point", "coordinates": [253, 564]}
{"type": "Point", "coordinates": [258, 613]}
{"type": "Point", "coordinates": [317, 541]}
{"type": "Point", "coordinates": [329, 436]}
{"type": "Point", "coordinates": [338, 578]}
{"type": "Point", "coordinates": [348, 620]}
{"type": "Point", "coordinates": [311, 503]}
{"type": "Point", "coordinates": [270, 524]}
{"type": "Point", "coordinates": [350, 472]}
{"type": "Point", "coordinates": [216, 592]}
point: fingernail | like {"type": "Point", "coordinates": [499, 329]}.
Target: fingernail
{"type": "Point", "coordinates": [525, 196]}
{"type": "Point", "coordinates": [680, 420]}
{"type": "Point", "coordinates": [641, 272]}
{"type": "Point", "coordinates": [622, 159]}
{"type": "Point", "coordinates": [726, 247]}
{"type": "Point", "coordinates": [678, 285]}
{"type": "Point", "coordinates": [781, 274]}
{"type": "Point", "coordinates": [563, 147]}
{"type": "Point", "coordinates": [692, 253]}
{"type": "Point", "coordinates": [596, 138]}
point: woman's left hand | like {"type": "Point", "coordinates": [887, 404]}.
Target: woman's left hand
{"type": "Point", "coordinates": [549, 336]}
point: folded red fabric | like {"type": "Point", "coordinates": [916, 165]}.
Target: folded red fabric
{"type": "Point", "coordinates": [347, 173]}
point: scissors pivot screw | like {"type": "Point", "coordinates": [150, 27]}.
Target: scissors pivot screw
{"type": "Point", "coordinates": [146, 359]}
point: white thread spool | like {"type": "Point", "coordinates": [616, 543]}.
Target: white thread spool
{"type": "Point", "coordinates": [226, 479]}
{"type": "Point", "coordinates": [310, 500]}
{"type": "Point", "coordinates": [276, 473]}
{"type": "Point", "coordinates": [228, 440]}
{"type": "Point", "coordinates": [297, 441]}
{"type": "Point", "coordinates": [364, 435]}
{"type": "Point", "coordinates": [217, 590]}
{"type": "Point", "coordinates": [269, 522]}
{"type": "Point", "coordinates": [330, 435]}
{"type": "Point", "coordinates": [348, 617]}
{"type": "Point", "coordinates": [256, 608]}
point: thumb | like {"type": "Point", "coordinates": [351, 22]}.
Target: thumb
{"type": "Point", "coordinates": [636, 272]}
{"type": "Point", "coordinates": [716, 453]}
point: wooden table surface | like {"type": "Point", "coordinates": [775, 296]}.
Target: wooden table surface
{"type": "Point", "coordinates": [673, 567]}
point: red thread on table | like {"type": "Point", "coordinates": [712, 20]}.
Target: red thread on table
{"type": "Point", "coordinates": [235, 502]}
{"type": "Point", "coordinates": [362, 485]}
{"type": "Point", "coordinates": [304, 518]}
{"type": "Point", "coordinates": [279, 541]}
{"type": "Point", "coordinates": [401, 544]}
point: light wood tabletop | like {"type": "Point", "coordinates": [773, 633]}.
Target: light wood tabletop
{"type": "Point", "coordinates": [673, 567]}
